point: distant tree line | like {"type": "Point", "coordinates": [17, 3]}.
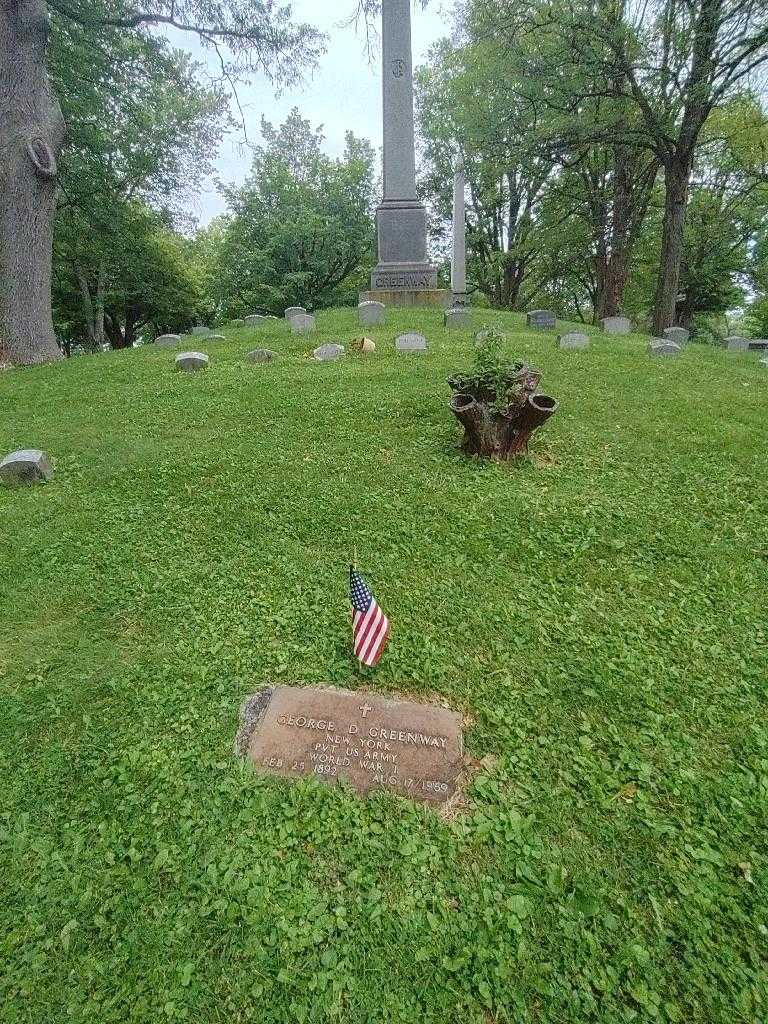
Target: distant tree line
{"type": "Point", "coordinates": [617, 153]}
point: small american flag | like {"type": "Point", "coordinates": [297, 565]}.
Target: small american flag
{"type": "Point", "coordinates": [370, 626]}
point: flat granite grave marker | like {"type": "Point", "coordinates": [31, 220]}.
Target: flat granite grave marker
{"type": "Point", "coordinates": [737, 344]}
{"type": "Point", "coordinates": [679, 335]}
{"type": "Point", "coordinates": [371, 313]}
{"type": "Point", "coordinates": [663, 347]}
{"type": "Point", "coordinates": [368, 741]}
{"type": "Point", "coordinates": [542, 318]}
{"type": "Point", "coordinates": [573, 339]}
{"type": "Point", "coordinates": [201, 332]}
{"type": "Point", "coordinates": [411, 343]}
{"type": "Point", "coordinates": [168, 340]}
{"type": "Point", "coordinates": [293, 311]}
{"type": "Point", "coordinates": [457, 318]}
{"type": "Point", "coordinates": [190, 362]}
{"type": "Point", "coordinates": [255, 320]}
{"type": "Point", "coordinates": [261, 355]}
{"type": "Point", "coordinates": [302, 323]}
{"type": "Point", "coordinates": [329, 351]}
{"type": "Point", "coordinates": [26, 466]}
{"type": "Point", "coordinates": [616, 325]}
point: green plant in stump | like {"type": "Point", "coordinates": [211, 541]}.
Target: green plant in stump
{"type": "Point", "coordinates": [497, 403]}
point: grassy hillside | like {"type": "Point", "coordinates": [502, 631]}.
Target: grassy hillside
{"type": "Point", "coordinates": [598, 614]}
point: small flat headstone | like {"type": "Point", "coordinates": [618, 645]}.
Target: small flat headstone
{"type": "Point", "coordinates": [168, 340]}
{"type": "Point", "coordinates": [679, 335]}
{"type": "Point", "coordinates": [541, 318]}
{"type": "Point", "coordinates": [302, 323]}
{"type": "Point", "coordinates": [411, 343]}
{"type": "Point", "coordinates": [616, 325]}
{"type": "Point", "coordinates": [662, 347]}
{"type": "Point", "coordinates": [366, 741]}
{"type": "Point", "coordinates": [201, 332]}
{"type": "Point", "coordinates": [256, 320]}
{"type": "Point", "coordinates": [737, 344]}
{"type": "Point", "coordinates": [458, 318]}
{"type": "Point", "coordinates": [371, 313]}
{"type": "Point", "coordinates": [329, 351]}
{"type": "Point", "coordinates": [26, 466]}
{"type": "Point", "coordinates": [191, 361]}
{"type": "Point", "coordinates": [293, 311]}
{"type": "Point", "coordinates": [261, 355]}
{"type": "Point", "coordinates": [573, 339]}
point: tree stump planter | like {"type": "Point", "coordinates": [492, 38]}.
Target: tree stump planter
{"type": "Point", "coordinates": [495, 429]}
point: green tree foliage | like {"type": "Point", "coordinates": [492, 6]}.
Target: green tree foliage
{"type": "Point", "coordinates": [143, 129]}
{"type": "Point", "coordinates": [469, 103]}
{"type": "Point", "coordinates": [148, 284]}
{"type": "Point", "coordinates": [301, 228]}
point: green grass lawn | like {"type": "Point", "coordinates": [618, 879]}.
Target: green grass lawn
{"type": "Point", "coordinates": [598, 613]}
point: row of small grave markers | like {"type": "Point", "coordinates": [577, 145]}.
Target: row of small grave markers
{"type": "Point", "coordinates": [373, 313]}
{"type": "Point", "coordinates": [28, 466]}
{"type": "Point", "coordinates": [670, 345]}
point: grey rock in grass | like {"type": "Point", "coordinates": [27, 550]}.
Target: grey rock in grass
{"type": "Point", "coordinates": [411, 342]}
{"type": "Point", "coordinates": [679, 335]}
{"type": "Point", "coordinates": [616, 325]}
{"type": "Point", "coordinates": [662, 347]}
{"type": "Point", "coordinates": [370, 314]}
{"type": "Point", "coordinates": [482, 336]}
{"type": "Point", "coordinates": [293, 311]}
{"type": "Point", "coordinates": [541, 318]}
{"type": "Point", "coordinates": [324, 353]}
{"type": "Point", "coordinates": [191, 361]}
{"type": "Point", "coordinates": [458, 318]}
{"type": "Point", "coordinates": [302, 323]}
{"type": "Point", "coordinates": [737, 344]}
{"type": "Point", "coordinates": [200, 332]}
{"type": "Point", "coordinates": [261, 355]}
{"type": "Point", "coordinates": [255, 320]}
{"type": "Point", "coordinates": [573, 339]}
{"type": "Point", "coordinates": [26, 466]}
{"type": "Point", "coordinates": [168, 340]}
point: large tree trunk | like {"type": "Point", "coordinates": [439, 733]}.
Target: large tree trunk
{"type": "Point", "coordinates": [677, 174]}
{"type": "Point", "coordinates": [31, 137]}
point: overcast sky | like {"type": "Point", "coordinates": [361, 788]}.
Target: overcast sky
{"type": "Point", "coordinates": [343, 94]}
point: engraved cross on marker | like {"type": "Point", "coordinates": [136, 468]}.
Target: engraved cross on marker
{"type": "Point", "coordinates": [364, 709]}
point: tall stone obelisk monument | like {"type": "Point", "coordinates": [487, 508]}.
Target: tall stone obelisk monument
{"type": "Point", "coordinates": [404, 275]}
{"type": "Point", "coordinates": [459, 258]}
